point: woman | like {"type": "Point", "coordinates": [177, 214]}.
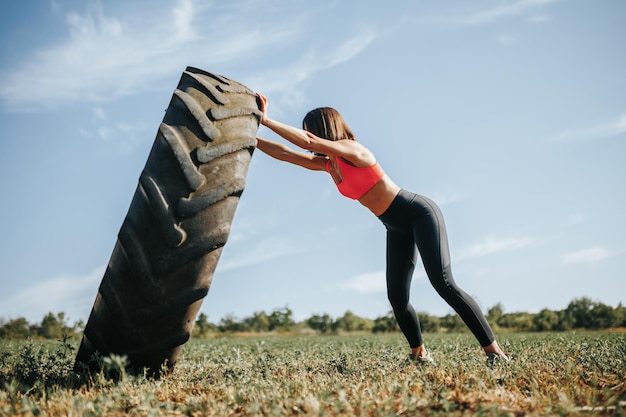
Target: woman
{"type": "Point", "coordinates": [413, 222]}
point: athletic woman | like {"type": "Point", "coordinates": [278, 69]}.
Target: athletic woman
{"type": "Point", "coordinates": [414, 223]}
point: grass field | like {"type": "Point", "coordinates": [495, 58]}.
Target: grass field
{"type": "Point", "coordinates": [551, 374]}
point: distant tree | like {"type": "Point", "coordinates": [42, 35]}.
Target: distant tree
{"type": "Point", "coordinates": [428, 323]}
{"type": "Point", "coordinates": [350, 322]}
{"type": "Point", "coordinates": [229, 323]}
{"type": "Point", "coordinates": [519, 321]}
{"type": "Point", "coordinates": [453, 323]}
{"type": "Point", "coordinates": [578, 313]}
{"type": "Point", "coordinates": [53, 326]}
{"type": "Point", "coordinates": [604, 317]}
{"type": "Point", "coordinates": [258, 322]}
{"type": "Point", "coordinates": [385, 324]}
{"type": "Point", "coordinates": [16, 329]}
{"type": "Point", "coordinates": [546, 320]}
{"type": "Point", "coordinates": [79, 327]}
{"type": "Point", "coordinates": [281, 319]}
{"type": "Point", "coordinates": [523, 322]}
{"type": "Point", "coordinates": [203, 326]}
{"type": "Point", "coordinates": [620, 311]}
{"type": "Point", "coordinates": [565, 321]}
{"type": "Point", "coordinates": [366, 324]}
{"type": "Point", "coordinates": [494, 313]}
{"type": "Point", "coordinates": [322, 323]}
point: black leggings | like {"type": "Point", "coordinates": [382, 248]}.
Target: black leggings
{"type": "Point", "coordinates": [414, 223]}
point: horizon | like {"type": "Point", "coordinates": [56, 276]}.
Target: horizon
{"type": "Point", "coordinates": [504, 312]}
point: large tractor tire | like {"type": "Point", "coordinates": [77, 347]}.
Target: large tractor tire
{"type": "Point", "coordinates": [178, 222]}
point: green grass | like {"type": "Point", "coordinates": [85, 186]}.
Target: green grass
{"type": "Point", "coordinates": [551, 374]}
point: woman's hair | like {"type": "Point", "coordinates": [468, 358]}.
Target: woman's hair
{"type": "Point", "coordinates": [327, 123]}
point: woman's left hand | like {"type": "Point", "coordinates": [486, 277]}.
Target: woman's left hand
{"type": "Point", "coordinates": [263, 106]}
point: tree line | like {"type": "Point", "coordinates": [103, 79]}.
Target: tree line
{"type": "Point", "coordinates": [582, 313]}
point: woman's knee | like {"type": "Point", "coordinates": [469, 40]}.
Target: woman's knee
{"type": "Point", "coordinates": [398, 300]}
{"type": "Point", "coordinates": [445, 286]}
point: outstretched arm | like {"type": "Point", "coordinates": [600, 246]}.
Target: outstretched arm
{"type": "Point", "coordinates": [348, 149]}
{"type": "Point", "coordinates": [284, 153]}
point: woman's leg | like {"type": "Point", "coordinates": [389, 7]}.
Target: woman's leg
{"type": "Point", "coordinates": [401, 258]}
{"type": "Point", "coordinates": [432, 242]}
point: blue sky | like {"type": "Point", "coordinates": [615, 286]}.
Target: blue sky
{"type": "Point", "coordinates": [510, 114]}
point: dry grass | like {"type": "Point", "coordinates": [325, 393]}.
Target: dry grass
{"type": "Point", "coordinates": [551, 374]}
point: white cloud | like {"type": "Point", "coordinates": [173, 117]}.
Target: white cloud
{"type": "Point", "coordinates": [575, 218]}
{"type": "Point", "coordinates": [265, 250]}
{"type": "Point", "coordinates": [367, 283]}
{"type": "Point", "coordinates": [105, 57]}
{"type": "Point", "coordinates": [130, 135]}
{"type": "Point", "coordinates": [54, 6]}
{"type": "Point", "coordinates": [492, 244]}
{"type": "Point", "coordinates": [183, 19]}
{"type": "Point", "coordinates": [503, 10]}
{"type": "Point", "coordinates": [505, 40]}
{"type": "Point", "coordinates": [601, 131]}
{"type": "Point", "coordinates": [588, 255]}
{"type": "Point", "coordinates": [72, 294]}
{"type": "Point", "coordinates": [125, 137]}
{"type": "Point", "coordinates": [286, 82]}
{"type": "Point", "coordinates": [98, 113]}
{"type": "Point", "coordinates": [349, 48]}
{"type": "Point", "coordinates": [104, 133]}
{"type": "Point", "coordinates": [451, 198]}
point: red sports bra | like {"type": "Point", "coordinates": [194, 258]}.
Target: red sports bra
{"type": "Point", "coordinates": [356, 181]}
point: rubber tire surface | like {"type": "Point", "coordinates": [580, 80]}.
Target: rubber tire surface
{"type": "Point", "coordinates": [178, 222]}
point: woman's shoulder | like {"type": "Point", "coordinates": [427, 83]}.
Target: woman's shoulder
{"type": "Point", "coordinates": [360, 155]}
